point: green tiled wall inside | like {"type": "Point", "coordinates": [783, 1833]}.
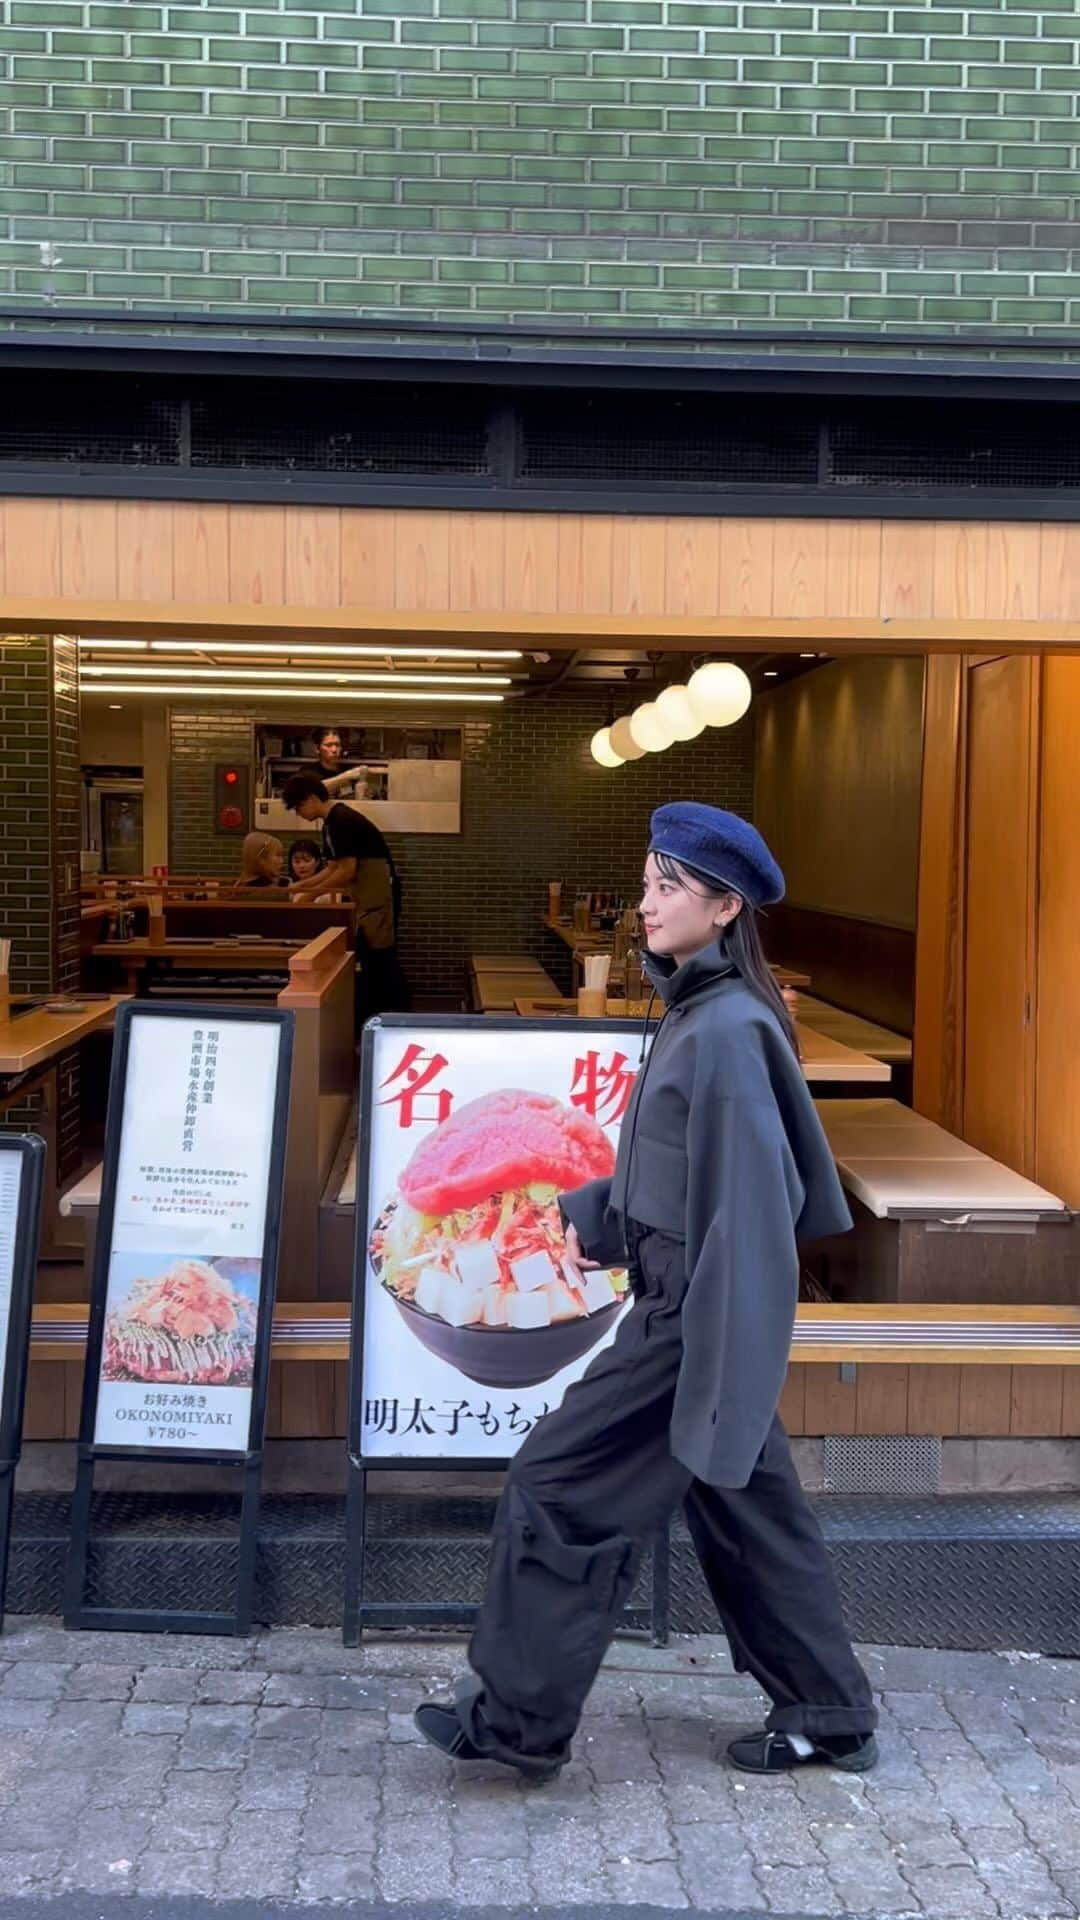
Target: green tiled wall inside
{"type": "Point", "coordinates": [609, 161]}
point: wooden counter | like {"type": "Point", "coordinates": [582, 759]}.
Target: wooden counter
{"type": "Point", "coordinates": [224, 956]}
{"type": "Point", "coordinates": [823, 1059]}
{"type": "Point", "coordinates": [581, 944]}
{"type": "Point", "coordinates": [32, 1039]}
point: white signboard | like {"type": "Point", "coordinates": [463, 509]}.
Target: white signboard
{"type": "Point", "coordinates": [10, 1184]}
{"type": "Point", "coordinates": [473, 1328]}
{"type": "Point", "coordinates": [185, 1261]}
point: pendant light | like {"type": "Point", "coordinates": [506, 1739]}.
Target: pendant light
{"type": "Point", "coordinates": [720, 693]}
{"type": "Point", "coordinates": [602, 750]}
{"type": "Point", "coordinates": [677, 711]}
{"type": "Point", "coordinates": [623, 742]}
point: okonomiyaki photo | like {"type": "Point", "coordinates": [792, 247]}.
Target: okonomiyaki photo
{"type": "Point", "coordinates": [470, 1247]}
{"type": "Point", "coordinates": [185, 1323]}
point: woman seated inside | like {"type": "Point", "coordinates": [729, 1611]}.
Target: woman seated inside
{"type": "Point", "coordinates": [305, 860]}
{"type": "Point", "coordinates": [262, 859]}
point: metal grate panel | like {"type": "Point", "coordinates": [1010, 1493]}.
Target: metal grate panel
{"type": "Point", "coordinates": [888, 1463]}
{"type": "Point", "coordinates": [339, 429]}
{"type": "Point", "coordinates": [673, 442]}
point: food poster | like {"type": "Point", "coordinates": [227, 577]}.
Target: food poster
{"type": "Point", "coordinates": [185, 1265]}
{"type": "Point", "coordinates": [10, 1184]}
{"type": "Point", "coordinates": [474, 1325]}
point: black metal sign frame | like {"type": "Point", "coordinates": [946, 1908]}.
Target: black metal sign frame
{"type": "Point", "coordinates": [248, 1464]}
{"type": "Point", "coordinates": [29, 1151]}
{"type": "Point", "coordinates": [358, 1611]}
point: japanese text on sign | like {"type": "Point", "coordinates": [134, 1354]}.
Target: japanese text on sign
{"type": "Point", "coordinates": [202, 1078]}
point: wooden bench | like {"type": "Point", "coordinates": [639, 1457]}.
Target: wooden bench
{"type": "Point", "coordinates": [851, 1030]}
{"type": "Point", "coordinates": [495, 980]}
{"type": "Point", "coordinates": [938, 1220]}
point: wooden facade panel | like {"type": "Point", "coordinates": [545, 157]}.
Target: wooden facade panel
{"type": "Point", "coordinates": [88, 552]}
{"type": "Point", "coordinates": [313, 557]}
{"type": "Point", "coordinates": [938, 1030]}
{"type": "Point", "coordinates": [831, 1403]}
{"type": "Point", "coordinates": [1036, 1397]}
{"type": "Point", "coordinates": [800, 568]}
{"type": "Point", "coordinates": [852, 566]}
{"type": "Point", "coordinates": [32, 547]}
{"type": "Point", "coordinates": [368, 557]}
{"type": "Point", "coordinates": [530, 561]}
{"type": "Point", "coordinates": [1059, 572]}
{"type": "Point", "coordinates": [144, 558]}
{"type": "Point", "coordinates": [881, 1399]}
{"type": "Point", "coordinates": [746, 566]}
{"type": "Point", "coordinates": [933, 1400]}
{"type": "Point", "coordinates": [985, 1403]}
{"type": "Point", "coordinates": [792, 1408]}
{"type": "Point", "coordinates": [1057, 1120]}
{"type": "Point", "coordinates": [638, 565]}
{"type": "Point", "coordinates": [476, 565]}
{"type": "Point", "coordinates": [961, 571]}
{"type": "Point", "coordinates": [200, 549]}
{"type": "Point", "coordinates": [692, 566]}
{"type": "Point", "coordinates": [907, 569]}
{"type": "Point", "coordinates": [1012, 571]}
{"type": "Point", "coordinates": [422, 562]}
{"type": "Point", "coordinates": [257, 556]}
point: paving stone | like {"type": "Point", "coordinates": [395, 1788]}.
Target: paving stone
{"type": "Point", "coordinates": [337, 1877]}
{"type": "Point", "coordinates": [100, 1683]}
{"type": "Point", "coordinates": [654, 1883]}
{"type": "Point", "coordinates": [482, 1882]}
{"type": "Point", "coordinates": [225, 1688]}
{"type": "Point", "coordinates": [413, 1859]}
{"type": "Point", "coordinates": [175, 1686]}
{"type": "Point", "coordinates": [794, 1889]}
{"type": "Point", "coordinates": [16, 1715]}
{"type": "Point", "coordinates": [951, 1891]}
{"type": "Point", "coordinates": [273, 1787]}
{"type": "Point", "coordinates": [177, 1873]}
{"type": "Point", "coordinates": [489, 1827]}
{"type": "Point", "coordinates": [86, 1720]}
{"type": "Point", "coordinates": [712, 1874]}
{"type": "Point", "coordinates": [199, 1796]}
{"type": "Point", "coordinates": [33, 1680]}
{"type": "Point", "coordinates": [919, 1710]}
{"type": "Point", "coordinates": [153, 1719]}
{"type": "Point", "coordinates": [633, 1820]}
{"type": "Point", "coordinates": [295, 1690]}
{"type": "Point", "coordinates": [32, 1871]}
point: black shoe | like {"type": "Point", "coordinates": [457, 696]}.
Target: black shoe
{"type": "Point", "coordinates": [438, 1721]}
{"type": "Point", "coordinates": [773, 1753]}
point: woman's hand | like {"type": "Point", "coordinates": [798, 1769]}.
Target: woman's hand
{"type": "Point", "coordinates": [575, 1254]}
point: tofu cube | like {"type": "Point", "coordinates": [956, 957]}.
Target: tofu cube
{"type": "Point", "coordinates": [429, 1289]}
{"type": "Point", "coordinates": [477, 1263]}
{"type": "Point", "coordinates": [495, 1307]}
{"type": "Point", "coordinates": [460, 1306]}
{"type": "Point", "coordinates": [597, 1292]}
{"type": "Point", "coordinates": [529, 1309]}
{"type": "Point", "coordinates": [565, 1302]}
{"type": "Point", "coordinates": [531, 1271]}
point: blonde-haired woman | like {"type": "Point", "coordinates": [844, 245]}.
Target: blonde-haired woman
{"type": "Point", "coordinates": [262, 863]}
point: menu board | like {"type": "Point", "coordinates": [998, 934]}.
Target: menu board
{"type": "Point", "coordinates": [11, 1173]}
{"type": "Point", "coordinates": [185, 1274]}
{"type": "Point", "coordinates": [474, 1324]}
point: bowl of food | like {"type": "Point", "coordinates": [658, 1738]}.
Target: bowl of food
{"type": "Point", "coordinates": [470, 1247]}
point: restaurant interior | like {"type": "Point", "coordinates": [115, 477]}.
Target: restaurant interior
{"type": "Point", "coordinates": [918, 803]}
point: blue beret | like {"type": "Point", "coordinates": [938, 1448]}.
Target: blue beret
{"type": "Point", "coordinates": [719, 845]}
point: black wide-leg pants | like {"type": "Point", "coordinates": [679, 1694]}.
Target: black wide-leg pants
{"type": "Point", "coordinates": [590, 1486]}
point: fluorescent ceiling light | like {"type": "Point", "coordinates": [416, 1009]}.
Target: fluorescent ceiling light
{"type": "Point", "coordinates": [302, 676]}
{"type": "Point", "coordinates": [351, 651]}
{"type": "Point", "coordinates": [219, 692]}
{"type": "Point", "coordinates": [129, 646]}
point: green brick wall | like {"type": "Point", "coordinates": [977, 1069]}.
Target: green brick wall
{"type": "Point", "coordinates": [611, 161]}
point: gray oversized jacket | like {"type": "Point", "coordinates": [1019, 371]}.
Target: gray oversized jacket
{"type": "Point", "coordinates": [722, 1149]}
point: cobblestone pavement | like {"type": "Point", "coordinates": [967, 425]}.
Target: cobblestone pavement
{"type": "Point", "coordinates": [286, 1768]}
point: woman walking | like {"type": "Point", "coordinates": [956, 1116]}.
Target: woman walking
{"type": "Point", "coordinates": [722, 1167]}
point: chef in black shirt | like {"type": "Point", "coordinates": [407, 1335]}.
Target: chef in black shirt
{"type": "Point", "coordinates": [359, 863]}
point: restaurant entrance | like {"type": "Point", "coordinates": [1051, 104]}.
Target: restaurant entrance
{"type": "Point", "coordinates": [936, 1351]}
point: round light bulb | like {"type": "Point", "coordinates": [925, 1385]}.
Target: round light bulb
{"type": "Point", "coordinates": [623, 742]}
{"type": "Point", "coordinates": [650, 729]}
{"type": "Point", "coordinates": [720, 693]}
{"type": "Point", "coordinates": [602, 750]}
{"type": "Point", "coordinates": [675, 707]}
